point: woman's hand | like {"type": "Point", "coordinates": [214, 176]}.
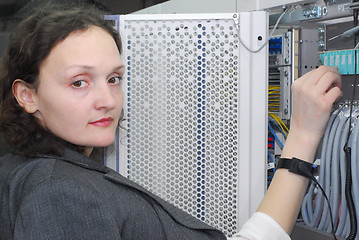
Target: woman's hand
{"type": "Point", "coordinates": [313, 96]}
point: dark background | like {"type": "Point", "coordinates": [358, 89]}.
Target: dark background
{"type": "Point", "coordinates": [11, 11]}
{"type": "Point", "coordinates": [9, 8]}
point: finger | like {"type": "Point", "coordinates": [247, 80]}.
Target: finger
{"type": "Point", "coordinates": [315, 75]}
{"type": "Point", "coordinates": [333, 95]}
{"type": "Point", "coordinates": [328, 81]}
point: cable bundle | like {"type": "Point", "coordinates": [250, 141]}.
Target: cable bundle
{"type": "Point", "coordinates": [274, 119]}
{"type": "Point", "coordinates": [332, 176]}
{"type": "Point", "coordinates": [273, 98]}
{"type": "Point", "coordinates": [276, 128]}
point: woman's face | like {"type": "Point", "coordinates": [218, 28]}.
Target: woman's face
{"type": "Point", "coordinates": [79, 97]}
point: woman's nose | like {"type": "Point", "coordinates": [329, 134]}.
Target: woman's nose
{"type": "Point", "coordinates": [105, 97]}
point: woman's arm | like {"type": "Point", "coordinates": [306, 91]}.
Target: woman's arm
{"type": "Point", "coordinates": [313, 97]}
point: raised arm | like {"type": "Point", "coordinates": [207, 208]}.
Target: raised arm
{"type": "Point", "coordinates": [313, 96]}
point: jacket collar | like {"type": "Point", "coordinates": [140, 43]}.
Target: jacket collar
{"type": "Point", "coordinates": [78, 159]}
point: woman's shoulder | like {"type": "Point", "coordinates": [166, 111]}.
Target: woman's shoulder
{"type": "Point", "coordinates": [15, 167]}
{"type": "Point", "coordinates": [24, 174]}
{"type": "Point", "coordinates": [8, 162]}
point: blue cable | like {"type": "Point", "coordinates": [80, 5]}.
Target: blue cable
{"type": "Point", "coordinates": [270, 175]}
{"type": "Point", "coordinates": [270, 157]}
{"type": "Point", "coordinates": [275, 135]}
{"type": "Point", "coordinates": [276, 124]}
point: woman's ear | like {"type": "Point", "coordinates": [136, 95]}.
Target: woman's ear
{"type": "Point", "coordinates": [24, 95]}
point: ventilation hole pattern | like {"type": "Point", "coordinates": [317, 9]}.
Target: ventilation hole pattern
{"type": "Point", "coordinates": [182, 114]}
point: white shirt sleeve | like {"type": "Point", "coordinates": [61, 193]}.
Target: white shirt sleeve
{"type": "Point", "coordinates": [261, 227]}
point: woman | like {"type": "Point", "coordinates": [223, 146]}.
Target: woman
{"type": "Point", "coordinates": [61, 97]}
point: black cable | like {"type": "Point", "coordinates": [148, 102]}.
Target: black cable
{"type": "Point", "coordinates": [306, 169]}
{"type": "Point", "coordinates": [328, 203]}
{"type": "Point", "coordinates": [348, 195]}
{"type": "Point", "coordinates": [348, 178]}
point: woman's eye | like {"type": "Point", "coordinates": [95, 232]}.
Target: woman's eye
{"type": "Point", "coordinates": [115, 80]}
{"type": "Point", "coordinates": [79, 84]}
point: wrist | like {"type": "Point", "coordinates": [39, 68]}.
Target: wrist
{"type": "Point", "coordinates": [302, 145]}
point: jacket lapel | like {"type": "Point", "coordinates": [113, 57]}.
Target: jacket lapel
{"type": "Point", "coordinates": [179, 215]}
{"type": "Point", "coordinates": [111, 175]}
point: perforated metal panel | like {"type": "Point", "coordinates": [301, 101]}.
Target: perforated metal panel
{"type": "Point", "coordinates": [182, 114]}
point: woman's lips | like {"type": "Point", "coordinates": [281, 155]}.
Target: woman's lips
{"type": "Point", "coordinates": [104, 122]}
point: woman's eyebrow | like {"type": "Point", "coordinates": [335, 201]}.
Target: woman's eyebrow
{"type": "Point", "coordinates": [89, 67]}
{"type": "Point", "coordinates": [119, 68]}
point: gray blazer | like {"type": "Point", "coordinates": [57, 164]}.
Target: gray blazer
{"type": "Point", "coordinates": [73, 197]}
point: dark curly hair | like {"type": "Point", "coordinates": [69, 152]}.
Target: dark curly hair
{"type": "Point", "coordinates": [29, 46]}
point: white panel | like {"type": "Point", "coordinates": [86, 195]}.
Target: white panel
{"type": "Point", "coordinates": [258, 5]}
{"type": "Point", "coordinates": [191, 6]}
{"type": "Point", "coordinates": [259, 105]}
{"type": "Point", "coordinates": [245, 5]}
{"type": "Point", "coordinates": [196, 125]}
{"type": "Point", "coordinates": [215, 6]}
{"type": "Point", "coordinates": [253, 110]}
{"type": "Point", "coordinates": [200, 6]}
{"type": "Point", "coordinates": [265, 4]}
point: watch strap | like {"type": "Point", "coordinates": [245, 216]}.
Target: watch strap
{"type": "Point", "coordinates": [297, 166]}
